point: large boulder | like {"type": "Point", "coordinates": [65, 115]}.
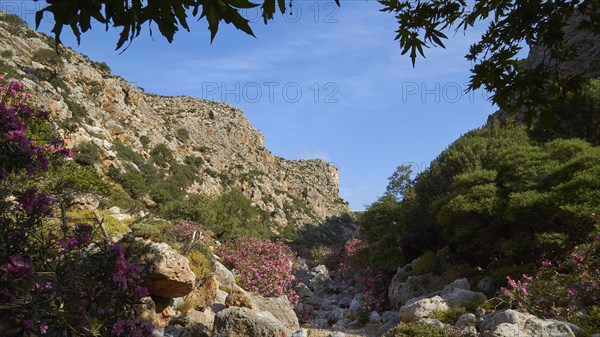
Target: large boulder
{"type": "Point", "coordinates": [512, 323]}
{"type": "Point", "coordinates": [422, 308]}
{"type": "Point", "coordinates": [224, 275]}
{"type": "Point", "coordinates": [166, 273]}
{"type": "Point", "coordinates": [403, 289]}
{"type": "Point", "coordinates": [458, 293]}
{"type": "Point", "coordinates": [243, 322]}
{"type": "Point", "coordinates": [238, 297]}
{"type": "Point", "coordinates": [280, 307]}
{"type": "Point", "coordinates": [204, 295]}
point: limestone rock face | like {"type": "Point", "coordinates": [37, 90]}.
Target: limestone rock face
{"type": "Point", "coordinates": [229, 151]}
{"type": "Point", "coordinates": [243, 322]}
{"type": "Point", "coordinates": [587, 45]}
{"type": "Point", "coordinates": [165, 272]}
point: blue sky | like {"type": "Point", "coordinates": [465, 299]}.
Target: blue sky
{"type": "Point", "coordinates": [325, 82]}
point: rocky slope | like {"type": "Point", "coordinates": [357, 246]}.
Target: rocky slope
{"type": "Point", "coordinates": [92, 105]}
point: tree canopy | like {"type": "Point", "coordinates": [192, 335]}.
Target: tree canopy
{"type": "Point", "coordinates": [421, 24]}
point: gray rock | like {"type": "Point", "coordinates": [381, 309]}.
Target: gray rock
{"type": "Point", "coordinates": [223, 275]}
{"type": "Point", "coordinates": [391, 316]}
{"type": "Point", "coordinates": [355, 304]}
{"type": "Point", "coordinates": [303, 290]}
{"type": "Point", "coordinates": [459, 297]}
{"type": "Point", "coordinates": [321, 269]}
{"type": "Point", "coordinates": [400, 292]}
{"type": "Point", "coordinates": [245, 322]}
{"type": "Point", "coordinates": [431, 321]}
{"type": "Point", "coordinates": [508, 323]}
{"type": "Point", "coordinates": [547, 327]}
{"type": "Point", "coordinates": [490, 322]}
{"type": "Point", "coordinates": [336, 334]}
{"type": "Point", "coordinates": [165, 272]}
{"type": "Point", "coordinates": [466, 320]}
{"type": "Point", "coordinates": [345, 302]}
{"type": "Point", "coordinates": [279, 307]}
{"type": "Point", "coordinates": [335, 315]}
{"type": "Point", "coordinates": [506, 330]}
{"type": "Point", "coordinates": [221, 296]}
{"type": "Point", "coordinates": [487, 286]}
{"type": "Point", "coordinates": [192, 330]}
{"type": "Point", "coordinates": [300, 333]}
{"type": "Point", "coordinates": [422, 308]}
{"type": "Point", "coordinates": [374, 317]}
{"type": "Point", "coordinates": [342, 323]}
{"type": "Point", "coordinates": [461, 283]}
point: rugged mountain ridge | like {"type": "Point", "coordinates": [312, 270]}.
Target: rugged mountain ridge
{"type": "Point", "coordinates": [92, 105]}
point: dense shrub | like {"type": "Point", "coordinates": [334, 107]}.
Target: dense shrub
{"type": "Point", "coordinates": [263, 266]}
{"type": "Point", "coordinates": [162, 155]}
{"type": "Point", "coordinates": [229, 215]}
{"type": "Point", "coordinates": [50, 282]}
{"type": "Point", "coordinates": [47, 57]}
{"type": "Point", "coordinates": [425, 264]}
{"type": "Point", "coordinates": [183, 134]}
{"type": "Point", "coordinates": [578, 116]}
{"type": "Point", "coordinates": [559, 288]}
{"type": "Point", "coordinates": [86, 153]}
{"type": "Point", "coordinates": [497, 196]}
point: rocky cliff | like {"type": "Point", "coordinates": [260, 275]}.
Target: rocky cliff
{"type": "Point", "coordinates": [93, 106]}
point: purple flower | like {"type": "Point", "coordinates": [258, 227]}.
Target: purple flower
{"type": "Point", "coordinates": [17, 265]}
{"type": "Point", "coordinates": [28, 324]}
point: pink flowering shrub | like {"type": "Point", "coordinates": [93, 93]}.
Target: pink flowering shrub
{"type": "Point", "coordinates": [53, 279]}
{"type": "Point", "coordinates": [262, 266]}
{"type": "Point", "coordinates": [350, 257]}
{"type": "Point", "coordinates": [374, 289]}
{"type": "Point", "coordinates": [372, 283]}
{"type": "Point", "coordinates": [188, 235]}
{"type": "Point", "coordinates": [560, 288]}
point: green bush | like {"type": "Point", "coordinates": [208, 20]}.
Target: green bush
{"type": "Point", "coordinates": [86, 153]}
{"type": "Point", "coordinates": [9, 71]}
{"type": "Point", "coordinates": [417, 329]}
{"type": "Point", "coordinates": [15, 24]}
{"type": "Point", "coordinates": [78, 112]}
{"type": "Point", "coordinates": [127, 153]}
{"type": "Point", "coordinates": [425, 264]}
{"type": "Point", "coordinates": [162, 155]}
{"type": "Point", "coordinates": [151, 230]}
{"type": "Point", "coordinates": [577, 116]}
{"type": "Point", "coordinates": [194, 160]}
{"type": "Point", "coordinates": [449, 316]}
{"type": "Point", "coordinates": [7, 53]}
{"type": "Point", "coordinates": [47, 57]}
{"type": "Point", "coordinates": [145, 140]}
{"type": "Point", "coordinates": [113, 226]}
{"type": "Point", "coordinates": [183, 134]}
{"type": "Point", "coordinates": [201, 263]}
{"type": "Point", "coordinates": [102, 66]}
{"type": "Point", "coordinates": [71, 177]}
